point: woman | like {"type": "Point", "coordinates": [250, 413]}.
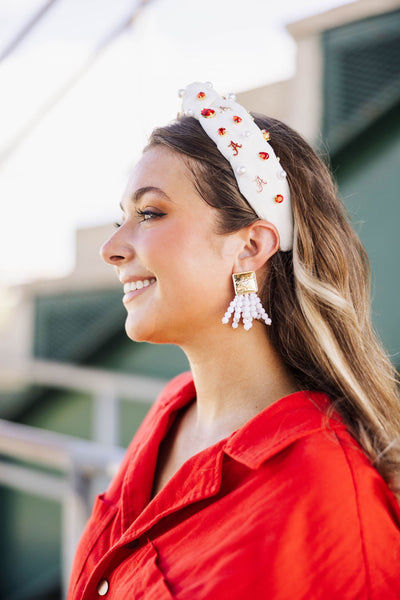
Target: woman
{"type": "Point", "coordinates": [271, 470]}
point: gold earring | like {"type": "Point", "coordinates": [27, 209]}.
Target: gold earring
{"type": "Point", "coordinates": [246, 304]}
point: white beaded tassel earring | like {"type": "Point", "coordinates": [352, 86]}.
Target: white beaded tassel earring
{"type": "Point", "coordinates": [246, 303]}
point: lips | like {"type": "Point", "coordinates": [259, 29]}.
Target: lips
{"type": "Point", "coordinates": [135, 288]}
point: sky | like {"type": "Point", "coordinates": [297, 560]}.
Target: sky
{"type": "Point", "coordinates": [81, 93]}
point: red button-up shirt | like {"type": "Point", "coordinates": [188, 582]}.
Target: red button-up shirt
{"type": "Point", "coordinates": [287, 507]}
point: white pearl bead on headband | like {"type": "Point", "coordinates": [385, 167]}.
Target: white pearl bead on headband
{"type": "Point", "coordinates": [259, 175]}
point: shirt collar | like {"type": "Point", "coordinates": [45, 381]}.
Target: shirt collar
{"type": "Point", "coordinates": [273, 429]}
{"type": "Point", "coordinates": [279, 425]}
{"type": "Point", "coordinates": [276, 427]}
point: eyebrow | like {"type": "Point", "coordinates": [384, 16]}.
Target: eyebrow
{"type": "Point", "coordinates": [135, 197]}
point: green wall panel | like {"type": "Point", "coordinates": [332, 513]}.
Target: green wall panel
{"type": "Point", "coordinates": [157, 360]}
{"type": "Point", "coordinates": [131, 416]}
{"type": "Point", "coordinates": [72, 414]}
{"type": "Point", "coordinates": [62, 411]}
{"type": "Point", "coordinates": [29, 545]}
{"type": "Point", "coordinates": [69, 326]}
{"type": "Point", "coordinates": [368, 174]}
{"type": "Point", "coordinates": [361, 75]}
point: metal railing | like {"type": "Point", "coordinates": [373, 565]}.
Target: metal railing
{"type": "Point", "coordinates": [82, 468]}
{"type": "Point", "coordinates": [106, 387]}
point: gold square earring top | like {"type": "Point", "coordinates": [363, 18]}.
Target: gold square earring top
{"type": "Point", "coordinates": [245, 283]}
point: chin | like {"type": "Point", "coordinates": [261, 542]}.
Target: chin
{"type": "Point", "coordinates": [143, 331]}
{"type": "Point", "coordinates": [136, 332]}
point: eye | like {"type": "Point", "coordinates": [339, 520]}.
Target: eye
{"type": "Point", "coordinates": [148, 214]}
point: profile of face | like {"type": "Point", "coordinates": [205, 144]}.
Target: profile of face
{"type": "Point", "coordinates": [168, 247]}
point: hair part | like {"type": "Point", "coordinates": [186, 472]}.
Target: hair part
{"type": "Point", "coordinates": [318, 293]}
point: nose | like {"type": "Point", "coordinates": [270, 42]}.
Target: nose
{"type": "Point", "coordinates": [116, 250]}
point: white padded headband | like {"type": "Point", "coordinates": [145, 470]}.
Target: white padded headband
{"type": "Point", "coordinates": [259, 175]}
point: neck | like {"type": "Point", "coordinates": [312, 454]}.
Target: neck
{"type": "Point", "coordinates": [237, 374]}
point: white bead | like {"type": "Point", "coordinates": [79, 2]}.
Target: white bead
{"type": "Point", "coordinates": [189, 112]}
{"type": "Point", "coordinates": [181, 92]}
{"type": "Point", "coordinates": [247, 133]}
{"type": "Point", "coordinates": [282, 174]}
{"type": "Point", "coordinates": [231, 96]}
{"type": "Point", "coordinates": [209, 84]}
{"type": "Point", "coordinates": [241, 170]}
{"type": "Point", "coordinates": [246, 307]}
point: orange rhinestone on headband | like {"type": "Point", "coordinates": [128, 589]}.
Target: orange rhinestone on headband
{"type": "Point", "coordinates": [262, 182]}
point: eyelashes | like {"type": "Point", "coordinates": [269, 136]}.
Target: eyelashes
{"type": "Point", "coordinates": [144, 215]}
{"type": "Point", "coordinates": [148, 214]}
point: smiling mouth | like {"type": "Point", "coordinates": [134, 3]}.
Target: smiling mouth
{"type": "Point", "coordinates": [132, 286]}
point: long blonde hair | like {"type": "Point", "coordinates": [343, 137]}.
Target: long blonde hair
{"type": "Point", "coordinates": [318, 294]}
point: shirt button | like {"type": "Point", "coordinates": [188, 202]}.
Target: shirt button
{"type": "Point", "coordinates": [103, 587]}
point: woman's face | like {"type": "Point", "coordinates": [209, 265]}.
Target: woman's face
{"type": "Point", "coordinates": [168, 248]}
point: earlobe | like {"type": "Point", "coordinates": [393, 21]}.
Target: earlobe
{"type": "Point", "coordinates": [260, 242]}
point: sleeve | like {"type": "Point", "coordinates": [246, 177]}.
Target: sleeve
{"type": "Point", "coordinates": [378, 519]}
{"type": "Point", "coordinates": [341, 537]}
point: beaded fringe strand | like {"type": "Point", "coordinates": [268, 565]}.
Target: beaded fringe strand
{"type": "Point", "coordinates": [248, 307]}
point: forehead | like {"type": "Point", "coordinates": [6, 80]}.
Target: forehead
{"type": "Point", "coordinates": [160, 168]}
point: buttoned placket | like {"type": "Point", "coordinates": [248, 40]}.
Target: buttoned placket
{"type": "Point", "coordinates": [194, 486]}
{"type": "Point", "coordinates": [195, 481]}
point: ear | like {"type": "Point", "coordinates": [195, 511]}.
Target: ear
{"type": "Point", "coordinates": [260, 241]}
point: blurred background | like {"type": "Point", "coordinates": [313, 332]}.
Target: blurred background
{"type": "Point", "coordinates": [82, 84]}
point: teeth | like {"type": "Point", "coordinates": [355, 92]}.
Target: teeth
{"type": "Point", "coordinates": [138, 285]}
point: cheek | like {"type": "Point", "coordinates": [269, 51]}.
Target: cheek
{"type": "Point", "coordinates": [169, 250]}
{"type": "Point", "coordinates": [162, 237]}
{"type": "Point", "coordinates": [190, 265]}
{"type": "Point", "coordinates": [197, 283]}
